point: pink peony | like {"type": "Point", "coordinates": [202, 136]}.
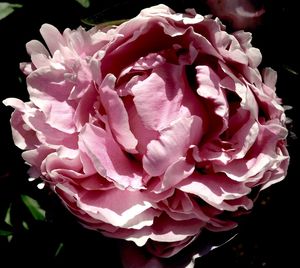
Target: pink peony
{"type": "Point", "coordinates": [152, 131]}
{"type": "Point", "coordinates": [240, 14]}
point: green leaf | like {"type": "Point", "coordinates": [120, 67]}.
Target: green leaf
{"type": "Point", "coordinates": [36, 211]}
{"type": "Point", "coordinates": [290, 70]}
{"type": "Point", "coordinates": [92, 22]}
{"type": "Point", "coordinates": [7, 8]}
{"type": "Point", "coordinates": [7, 216]}
{"type": "Point", "coordinates": [5, 232]}
{"type": "Point", "coordinates": [59, 248]}
{"type": "Point", "coordinates": [9, 238]}
{"type": "Point", "coordinates": [84, 3]}
{"type": "Point", "coordinates": [25, 225]}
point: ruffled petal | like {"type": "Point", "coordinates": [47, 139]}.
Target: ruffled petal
{"type": "Point", "coordinates": [214, 189]}
{"type": "Point", "coordinates": [172, 144]}
{"type": "Point", "coordinates": [117, 115]}
{"type": "Point", "coordinates": [108, 158]}
{"type": "Point", "coordinates": [158, 98]}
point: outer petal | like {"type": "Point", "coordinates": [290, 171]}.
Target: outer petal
{"type": "Point", "coordinates": [164, 229]}
{"type": "Point", "coordinates": [263, 156]}
{"type": "Point", "coordinates": [117, 207]}
{"type": "Point", "coordinates": [254, 55]}
{"type": "Point", "coordinates": [39, 54]}
{"type": "Point", "coordinates": [36, 47]}
{"type": "Point", "coordinates": [121, 208]}
{"type": "Point", "coordinates": [52, 37]}
{"type": "Point", "coordinates": [24, 137]}
{"type": "Point", "coordinates": [214, 189]}
{"type": "Point", "coordinates": [49, 91]}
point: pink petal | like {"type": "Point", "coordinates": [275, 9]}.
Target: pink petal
{"type": "Point", "coordinates": [24, 137]}
{"type": "Point", "coordinates": [269, 77]}
{"type": "Point", "coordinates": [261, 159]}
{"type": "Point", "coordinates": [95, 182]}
{"type": "Point", "coordinates": [214, 189]}
{"type": "Point", "coordinates": [167, 230]}
{"type": "Point", "coordinates": [47, 134]}
{"type": "Point", "coordinates": [27, 68]}
{"type": "Point", "coordinates": [229, 47]}
{"type": "Point", "coordinates": [40, 56]}
{"type": "Point", "coordinates": [164, 229]}
{"type": "Point", "coordinates": [245, 138]}
{"type": "Point", "coordinates": [279, 173]}
{"type": "Point", "coordinates": [241, 133]}
{"type": "Point", "coordinates": [176, 172]}
{"type": "Point", "coordinates": [248, 100]}
{"type": "Point", "coordinates": [35, 158]}
{"type": "Point", "coordinates": [49, 91]}
{"type": "Point", "coordinates": [108, 158]}
{"type": "Point", "coordinates": [36, 47]}
{"type": "Point", "coordinates": [117, 114]}
{"type": "Point", "coordinates": [127, 47]}
{"type": "Point", "coordinates": [143, 135]}
{"type": "Point", "coordinates": [209, 88]}
{"type": "Point", "coordinates": [242, 170]}
{"type": "Point", "coordinates": [214, 96]}
{"type": "Point", "coordinates": [85, 108]}
{"type": "Point", "coordinates": [172, 144]}
{"type": "Point", "coordinates": [121, 208]}
{"type": "Point", "coordinates": [253, 54]}
{"type": "Point", "coordinates": [158, 98]}
{"type": "Point", "coordinates": [55, 119]}
{"type": "Point", "coordinates": [52, 37]}
{"type": "Point", "coordinates": [182, 206]}
{"type": "Point", "coordinates": [56, 164]}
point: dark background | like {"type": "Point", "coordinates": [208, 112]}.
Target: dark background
{"type": "Point", "coordinates": [267, 237]}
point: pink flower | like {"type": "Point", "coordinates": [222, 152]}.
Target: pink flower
{"type": "Point", "coordinates": [240, 14]}
{"type": "Point", "coordinates": [154, 131]}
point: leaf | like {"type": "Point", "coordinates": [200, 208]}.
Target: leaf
{"type": "Point", "coordinates": [84, 3]}
{"type": "Point", "coordinates": [7, 8]}
{"type": "Point", "coordinates": [102, 25]}
{"type": "Point", "coordinates": [109, 16]}
{"type": "Point", "coordinates": [9, 238]}
{"type": "Point", "coordinates": [25, 225]}
{"type": "Point", "coordinates": [290, 70]}
{"type": "Point", "coordinates": [5, 232]}
{"type": "Point", "coordinates": [59, 248]}
{"type": "Point", "coordinates": [36, 211]}
{"type": "Point", "coordinates": [7, 216]}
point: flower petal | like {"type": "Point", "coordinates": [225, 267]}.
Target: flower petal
{"type": "Point", "coordinates": [158, 98]}
{"type": "Point", "coordinates": [117, 114]}
{"type": "Point", "coordinates": [52, 37]}
{"type": "Point", "coordinates": [108, 158]}
{"type": "Point", "coordinates": [214, 189]}
{"type": "Point", "coordinates": [172, 144]}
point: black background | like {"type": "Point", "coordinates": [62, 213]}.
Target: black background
{"type": "Point", "coordinates": [267, 237]}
